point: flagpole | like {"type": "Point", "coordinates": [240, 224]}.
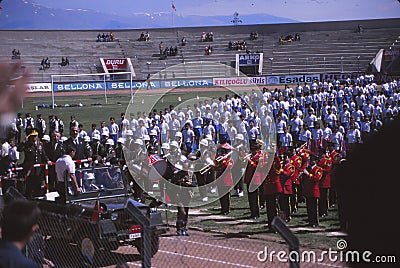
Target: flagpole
{"type": "Point", "coordinates": [172, 5]}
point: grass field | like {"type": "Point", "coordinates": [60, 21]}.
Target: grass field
{"type": "Point", "coordinates": [94, 109]}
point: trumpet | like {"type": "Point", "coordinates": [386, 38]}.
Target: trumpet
{"type": "Point", "coordinates": [222, 157]}
{"type": "Point", "coordinates": [246, 157]}
{"type": "Point", "coordinates": [205, 169]}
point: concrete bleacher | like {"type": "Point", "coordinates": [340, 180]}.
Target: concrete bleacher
{"type": "Point", "coordinates": [325, 47]}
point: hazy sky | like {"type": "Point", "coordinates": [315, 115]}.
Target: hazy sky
{"type": "Point", "coordinates": [301, 10]}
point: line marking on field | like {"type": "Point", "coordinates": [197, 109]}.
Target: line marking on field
{"type": "Point", "coordinates": [216, 246]}
{"type": "Point", "coordinates": [206, 259]}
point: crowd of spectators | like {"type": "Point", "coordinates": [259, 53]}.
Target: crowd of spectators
{"type": "Point", "coordinates": [15, 54]}
{"type": "Point", "coordinates": [166, 52]}
{"type": "Point", "coordinates": [45, 63]}
{"type": "Point", "coordinates": [207, 37]}
{"type": "Point", "coordinates": [288, 38]}
{"type": "Point", "coordinates": [64, 61]}
{"type": "Point", "coordinates": [105, 37]}
{"type": "Point", "coordinates": [237, 45]}
{"type": "Point", "coordinates": [253, 36]}
{"type": "Point", "coordinates": [144, 37]}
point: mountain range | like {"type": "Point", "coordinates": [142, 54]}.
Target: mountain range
{"type": "Point", "coordinates": [28, 15]}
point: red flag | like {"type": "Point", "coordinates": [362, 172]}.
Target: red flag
{"type": "Point", "coordinates": [173, 7]}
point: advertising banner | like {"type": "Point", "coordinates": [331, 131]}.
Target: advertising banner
{"type": "Point", "coordinates": [292, 79]}
{"type": "Point", "coordinates": [79, 86]}
{"type": "Point", "coordinates": [115, 64]}
{"type": "Point", "coordinates": [187, 83]}
{"type": "Point", "coordinates": [240, 81]}
{"type": "Point", "coordinates": [39, 87]}
{"type": "Point", "coordinates": [249, 59]}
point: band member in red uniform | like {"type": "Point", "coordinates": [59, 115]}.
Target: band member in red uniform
{"type": "Point", "coordinates": [254, 176]}
{"type": "Point", "coordinates": [296, 160]}
{"type": "Point", "coordinates": [335, 156]}
{"type": "Point", "coordinates": [311, 190]}
{"type": "Point", "coordinates": [272, 188]}
{"type": "Point", "coordinates": [224, 176]}
{"type": "Point", "coordinates": [304, 153]}
{"type": "Point", "coordinates": [287, 175]}
{"type": "Point", "coordinates": [324, 184]}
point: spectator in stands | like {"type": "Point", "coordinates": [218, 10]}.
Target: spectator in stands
{"type": "Point", "coordinates": [253, 36]}
{"type": "Point", "coordinates": [15, 54]}
{"type": "Point", "coordinates": [359, 28]}
{"type": "Point", "coordinates": [183, 41]}
{"type": "Point", "coordinates": [208, 50]}
{"type": "Point", "coordinates": [161, 47]}
{"type": "Point", "coordinates": [147, 36]}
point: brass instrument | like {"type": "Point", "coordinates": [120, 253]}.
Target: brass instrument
{"type": "Point", "coordinates": [301, 147]}
{"type": "Point", "coordinates": [206, 168]}
{"type": "Point", "coordinates": [222, 157]}
{"type": "Point", "coordinates": [247, 157]}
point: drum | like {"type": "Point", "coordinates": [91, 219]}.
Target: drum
{"type": "Point", "coordinates": [157, 167]}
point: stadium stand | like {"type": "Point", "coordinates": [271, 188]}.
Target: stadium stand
{"type": "Point", "coordinates": [325, 47]}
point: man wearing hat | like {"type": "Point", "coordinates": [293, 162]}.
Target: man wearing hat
{"type": "Point", "coordinates": [98, 150]}
{"type": "Point", "coordinates": [313, 174]}
{"type": "Point", "coordinates": [255, 177]}
{"type": "Point", "coordinates": [239, 163]}
{"type": "Point", "coordinates": [34, 154]}
{"type": "Point", "coordinates": [224, 176]}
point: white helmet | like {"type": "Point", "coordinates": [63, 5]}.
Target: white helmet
{"type": "Point", "coordinates": [174, 144]}
{"type": "Point", "coordinates": [96, 137]}
{"type": "Point", "coordinates": [165, 146]}
{"type": "Point", "coordinates": [129, 133]}
{"type": "Point", "coordinates": [139, 142]}
{"type": "Point", "coordinates": [204, 142]}
{"type": "Point", "coordinates": [86, 139]}
{"type": "Point", "coordinates": [153, 132]}
{"type": "Point", "coordinates": [110, 142]}
{"type": "Point", "coordinates": [46, 138]}
{"type": "Point", "coordinates": [178, 134]}
{"type": "Point", "coordinates": [63, 138]}
{"type": "Point", "coordinates": [239, 137]}
{"type": "Point", "coordinates": [146, 137]}
{"type": "Point", "coordinates": [121, 140]}
{"type": "Point", "coordinates": [209, 138]}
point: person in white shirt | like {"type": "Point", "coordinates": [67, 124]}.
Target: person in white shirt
{"type": "Point", "coordinates": [310, 120]}
{"type": "Point", "coordinates": [305, 135]}
{"type": "Point", "coordinates": [123, 125]}
{"type": "Point", "coordinates": [164, 131]}
{"type": "Point", "coordinates": [353, 136]}
{"type": "Point", "coordinates": [188, 138]}
{"type": "Point", "coordinates": [295, 125]}
{"type": "Point", "coordinates": [326, 135]}
{"type": "Point", "coordinates": [316, 139]}
{"type": "Point", "coordinates": [286, 139]}
{"type": "Point", "coordinates": [231, 131]}
{"type": "Point", "coordinates": [65, 170]}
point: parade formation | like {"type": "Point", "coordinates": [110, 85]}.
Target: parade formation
{"type": "Point", "coordinates": [220, 148]}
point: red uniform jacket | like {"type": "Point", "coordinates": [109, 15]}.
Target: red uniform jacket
{"type": "Point", "coordinates": [297, 162]}
{"type": "Point", "coordinates": [272, 182]}
{"type": "Point", "coordinates": [252, 174]}
{"type": "Point", "coordinates": [287, 175]}
{"type": "Point", "coordinates": [311, 182]}
{"type": "Point", "coordinates": [326, 164]}
{"type": "Point", "coordinates": [224, 169]}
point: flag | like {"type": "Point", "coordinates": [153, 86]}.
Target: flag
{"type": "Point", "coordinates": [173, 7]}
